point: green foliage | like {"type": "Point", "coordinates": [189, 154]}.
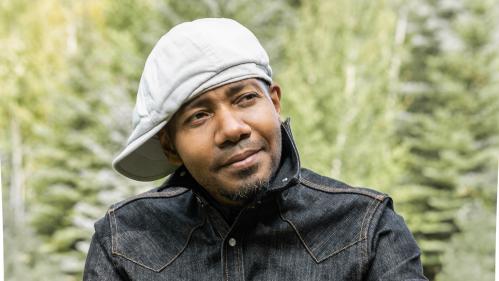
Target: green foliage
{"type": "Point", "coordinates": [338, 87]}
{"type": "Point", "coordinates": [450, 126]}
{"type": "Point", "coordinates": [470, 253]}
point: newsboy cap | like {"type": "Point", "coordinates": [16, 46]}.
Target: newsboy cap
{"type": "Point", "coordinates": [190, 59]}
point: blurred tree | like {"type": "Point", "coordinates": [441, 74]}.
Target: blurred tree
{"type": "Point", "coordinates": [339, 84]}
{"type": "Point", "coordinates": [269, 20]}
{"type": "Point", "coordinates": [450, 88]}
{"type": "Point", "coordinates": [31, 66]}
{"type": "Point", "coordinates": [24, 77]}
{"type": "Point", "coordinates": [73, 181]}
{"type": "Point", "coordinates": [470, 253]}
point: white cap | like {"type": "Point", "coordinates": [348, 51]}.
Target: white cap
{"type": "Point", "coordinates": [192, 58]}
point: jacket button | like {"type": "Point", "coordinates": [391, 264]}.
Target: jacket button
{"type": "Point", "coordinates": [232, 242]}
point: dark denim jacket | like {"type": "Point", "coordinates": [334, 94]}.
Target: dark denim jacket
{"type": "Point", "coordinates": [303, 227]}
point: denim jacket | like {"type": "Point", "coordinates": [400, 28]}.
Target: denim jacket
{"type": "Point", "coordinates": [302, 227]}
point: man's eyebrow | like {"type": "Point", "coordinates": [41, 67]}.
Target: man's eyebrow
{"type": "Point", "coordinates": [240, 86]}
{"type": "Point", "coordinates": [199, 101]}
{"type": "Point", "coordinates": [232, 90]}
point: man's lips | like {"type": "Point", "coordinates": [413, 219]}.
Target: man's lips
{"type": "Point", "coordinates": [241, 159]}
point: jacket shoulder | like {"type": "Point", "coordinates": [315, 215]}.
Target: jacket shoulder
{"type": "Point", "coordinates": [157, 192]}
{"type": "Point", "coordinates": [103, 223]}
{"type": "Point", "coordinates": [318, 182]}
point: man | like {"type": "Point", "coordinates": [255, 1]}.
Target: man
{"type": "Point", "coordinates": [237, 205]}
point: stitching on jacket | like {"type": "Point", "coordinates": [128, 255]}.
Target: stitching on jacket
{"type": "Point", "coordinates": [327, 239]}
{"type": "Point", "coordinates": [242, 260]}
{"type": "Point", "coordinates": [367, 218]}
{"type": "Point", "coordinates": [297, 233]}
{"type": "Point", "coordinates": [161, 194]}
{"type": "Point", "coordinates": [363, 257]}
{"type": "Point", "coordinates": [215, 228]}
{"type": "Point", "coordinates": [373, 206]}
{"type": "Point", "coordinates": [213, 221]}
{"type": "Point", "coordinates": [116, 253]}
{"type": "Point", "coordinates": [366, 225]}
{"type": "Point", "coordinates": [112, 249]}
{"type": "Point", "coordinates": [238, 259]}
{"type": "Point", "coordinates": [369, 225]}
{"type": "Point", "coordinates": [341, 249]}
{"type": "Point", "coordinates": [317, 260]}
{"type": "Point", "coordinates": [111, 218]}
{"type": "Point", "coordinates": [226, 265]}
{"type": "Point", "coordinates": [330, 189]}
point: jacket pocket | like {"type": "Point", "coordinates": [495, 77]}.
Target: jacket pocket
{"type": "Point", "coordinates": [153, 231]}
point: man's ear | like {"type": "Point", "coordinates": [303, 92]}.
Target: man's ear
{"type": "Point", "coordinates": [275, 96]}
{"type": "Point", "coordinates": [168, 147]}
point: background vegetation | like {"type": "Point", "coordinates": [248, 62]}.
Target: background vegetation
{"type": "Point", "coordinates": [402, 96]}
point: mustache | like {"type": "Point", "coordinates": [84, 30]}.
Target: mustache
{"type": "Point", "coordinates": [225, 154]}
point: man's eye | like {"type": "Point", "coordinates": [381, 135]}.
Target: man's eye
{"type": "Point", "coordinates": [198, 117]}
{"type": "Point", "coordinates": [248, 99]}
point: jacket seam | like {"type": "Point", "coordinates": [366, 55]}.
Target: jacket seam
{"type": "Point", "coordinates": [366, 227]}
{"type": "Point", "coordinates": [329, 189]}
{"type": "Point", "coordinates": [99, 240]}
{"type": "Point", "coordinates": [115, 252]}
{"type": "Point", "coordinates": [368, 217]}
{"type": "Point", "coordinates": [226, 263]}
{"type": "Point", "coordinates": [325, 241]}
{"type": "Point", "coordinates": [341, 249]}
{"type": "Point", "coordinates": [297, 233]}
{"type": "Point", "coordinates": [111, 218]}
{"type": "Point", "coordinates": [317, 260]}
{"type": "Point", "coordinates": [242, 260]}
{"type": "Point", "coordinates": [212, 219]}
{"type": "Point", "coordinates": [239, 261]}
{"type": "Point", "coordinates": [162, 194]}
{"type": "Point", "coordinates": [363, 247]}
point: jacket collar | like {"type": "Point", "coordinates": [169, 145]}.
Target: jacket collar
{"type": "Point", "coordinates": [287, 174]}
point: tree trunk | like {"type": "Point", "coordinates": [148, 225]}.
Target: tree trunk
{"type": "Point", "coordinates": [16, 200]}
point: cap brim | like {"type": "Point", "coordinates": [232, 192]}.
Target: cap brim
{"type": "Point", "coordinates": [143, 159]}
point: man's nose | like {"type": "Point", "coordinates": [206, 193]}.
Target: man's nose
{"type": "Point", "coordinates": [231, 128]}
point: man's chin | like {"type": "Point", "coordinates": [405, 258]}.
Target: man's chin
{"type": "Point", "coordinates": [245, 185]}
{"type": "Point", "coordinates": [245, 191]}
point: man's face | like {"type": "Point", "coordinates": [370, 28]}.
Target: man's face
{"type": "Point", "coordinates": [229, 139]}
